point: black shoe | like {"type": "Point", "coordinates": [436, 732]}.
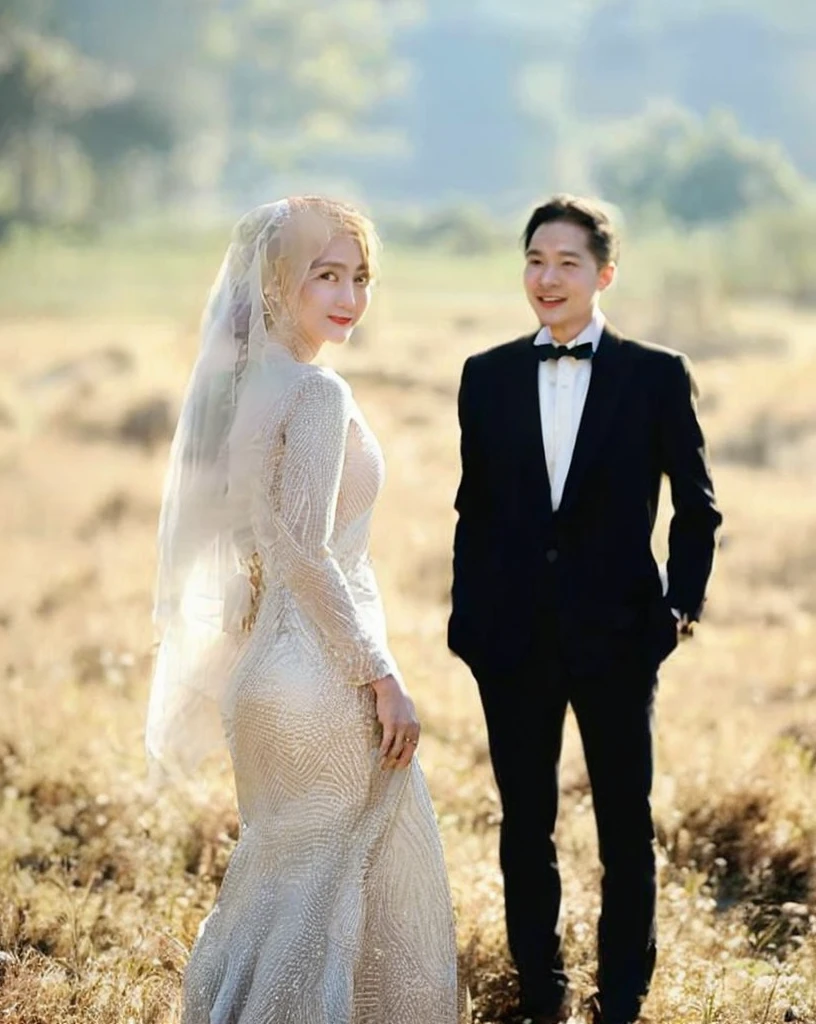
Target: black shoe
{"type": "Point", "coordinates": [592, 1007]}
{"type": "Point", "coordinates": [560, 1015]}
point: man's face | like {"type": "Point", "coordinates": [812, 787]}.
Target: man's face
{"type": "Point", "coordinates": [562, 278]}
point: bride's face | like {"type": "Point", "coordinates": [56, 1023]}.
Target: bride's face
{"type": "Point", "coordinates": [336, 292]}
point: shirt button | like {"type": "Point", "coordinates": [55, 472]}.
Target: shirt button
{"type": "Point", "coordinates": [552, 555]}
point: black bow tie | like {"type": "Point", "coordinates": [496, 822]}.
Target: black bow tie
{"type": "Point", "coordinates": [550, 351]}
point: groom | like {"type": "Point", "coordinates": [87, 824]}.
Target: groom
{"type": "Point", "coordinates": [557, 600]}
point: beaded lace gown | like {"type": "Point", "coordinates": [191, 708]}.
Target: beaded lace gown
{"type": "Point", "coordinates": [335, 907]}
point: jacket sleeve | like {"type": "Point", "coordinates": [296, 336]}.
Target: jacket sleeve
{"type": "Point", "coordinates": [696, 519]}
{"type": "Point", "coordinates": [470, 538]}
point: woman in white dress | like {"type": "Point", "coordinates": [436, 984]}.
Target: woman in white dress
{"type": "Point", "coordinates": [335, 908]}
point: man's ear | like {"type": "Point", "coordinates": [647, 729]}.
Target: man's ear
{"type": "Point", "coordinates": [606, 276]}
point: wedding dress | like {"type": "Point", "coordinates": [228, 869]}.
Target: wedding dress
{"type": "Point", "coordinates": [335, 906]}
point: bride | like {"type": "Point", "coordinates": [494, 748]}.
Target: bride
{"type": "Point", "coordinates": [335, 908]}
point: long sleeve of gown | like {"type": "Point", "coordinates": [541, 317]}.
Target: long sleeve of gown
{"type": "Point", "coordinates": [304, 496]}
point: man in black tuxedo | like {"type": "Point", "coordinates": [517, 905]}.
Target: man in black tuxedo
{"type": "Point", "coordinates": [557, 599]}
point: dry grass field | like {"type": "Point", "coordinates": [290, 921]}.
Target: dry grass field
{"type": "Point", "coordinates": [102, 886]}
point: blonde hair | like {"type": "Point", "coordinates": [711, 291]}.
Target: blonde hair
{"type": "Point", "coordinates": [289, 251]}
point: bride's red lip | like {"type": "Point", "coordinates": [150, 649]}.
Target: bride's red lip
{"type": "Point", "coordinates": [341, 319]}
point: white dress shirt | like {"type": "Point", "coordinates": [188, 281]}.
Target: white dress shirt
{"type": "Point", "coordinates": [562, 390]}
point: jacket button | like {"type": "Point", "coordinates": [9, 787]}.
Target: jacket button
{"type": "Point", "coordinates": [552, 555]}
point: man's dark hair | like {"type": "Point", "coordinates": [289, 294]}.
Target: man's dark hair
{"type": "Point", "coordinates": [584, 213]}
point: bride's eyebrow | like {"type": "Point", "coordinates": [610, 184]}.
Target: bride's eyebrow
{"type": "Point", "coordinates": [336, 265]}
{"type": "Point", "coordinates": [332, 264]}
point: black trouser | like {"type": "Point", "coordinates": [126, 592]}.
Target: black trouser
{"type": "Point", "coordinates": [525, 720]}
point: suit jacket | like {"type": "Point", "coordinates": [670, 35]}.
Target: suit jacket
{"type": "Point", "coordinates": [586, 571]}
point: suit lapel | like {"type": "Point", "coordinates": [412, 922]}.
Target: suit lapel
{"type": "Point", "coordinates": [609, 370]}
{"type": "Point", "coordinates": [525, 415]}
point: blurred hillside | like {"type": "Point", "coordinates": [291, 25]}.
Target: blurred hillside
{"type": "Point", "coordinates": [109, 108]}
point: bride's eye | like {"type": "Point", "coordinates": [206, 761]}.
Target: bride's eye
{"type": "Point", "coordinates": [328, 275]}
{"type": "Point", "coordinates": [362, 279]}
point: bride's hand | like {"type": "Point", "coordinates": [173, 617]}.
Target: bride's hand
{"type": "Point", "coordinates": [397, 716]}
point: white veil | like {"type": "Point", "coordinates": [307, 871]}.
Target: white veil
{"type": "Point", "coordinates": [205, 532]}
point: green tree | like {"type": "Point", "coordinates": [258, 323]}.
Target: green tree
{"type": "Point", "coordinates": [255, 87]}
{"type": "Point", "coordinates": [300, 81]}
{"type": "Point", "coordinates": [56, 107]}
{"type": "Point", "coordinates": [692, 170]}
{"type": "Point", "coordinates": [111, 135]}
{"type": "Point", "coordinates": [43, 84]}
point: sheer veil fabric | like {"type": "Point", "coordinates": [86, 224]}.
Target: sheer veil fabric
{"type": "Point", "coordinates": [205, 527]}
{"type": "Point", "coordinates": [335, 907]}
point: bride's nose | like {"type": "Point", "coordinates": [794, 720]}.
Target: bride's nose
{"type": "Point", "coordinates": [346, 297]}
